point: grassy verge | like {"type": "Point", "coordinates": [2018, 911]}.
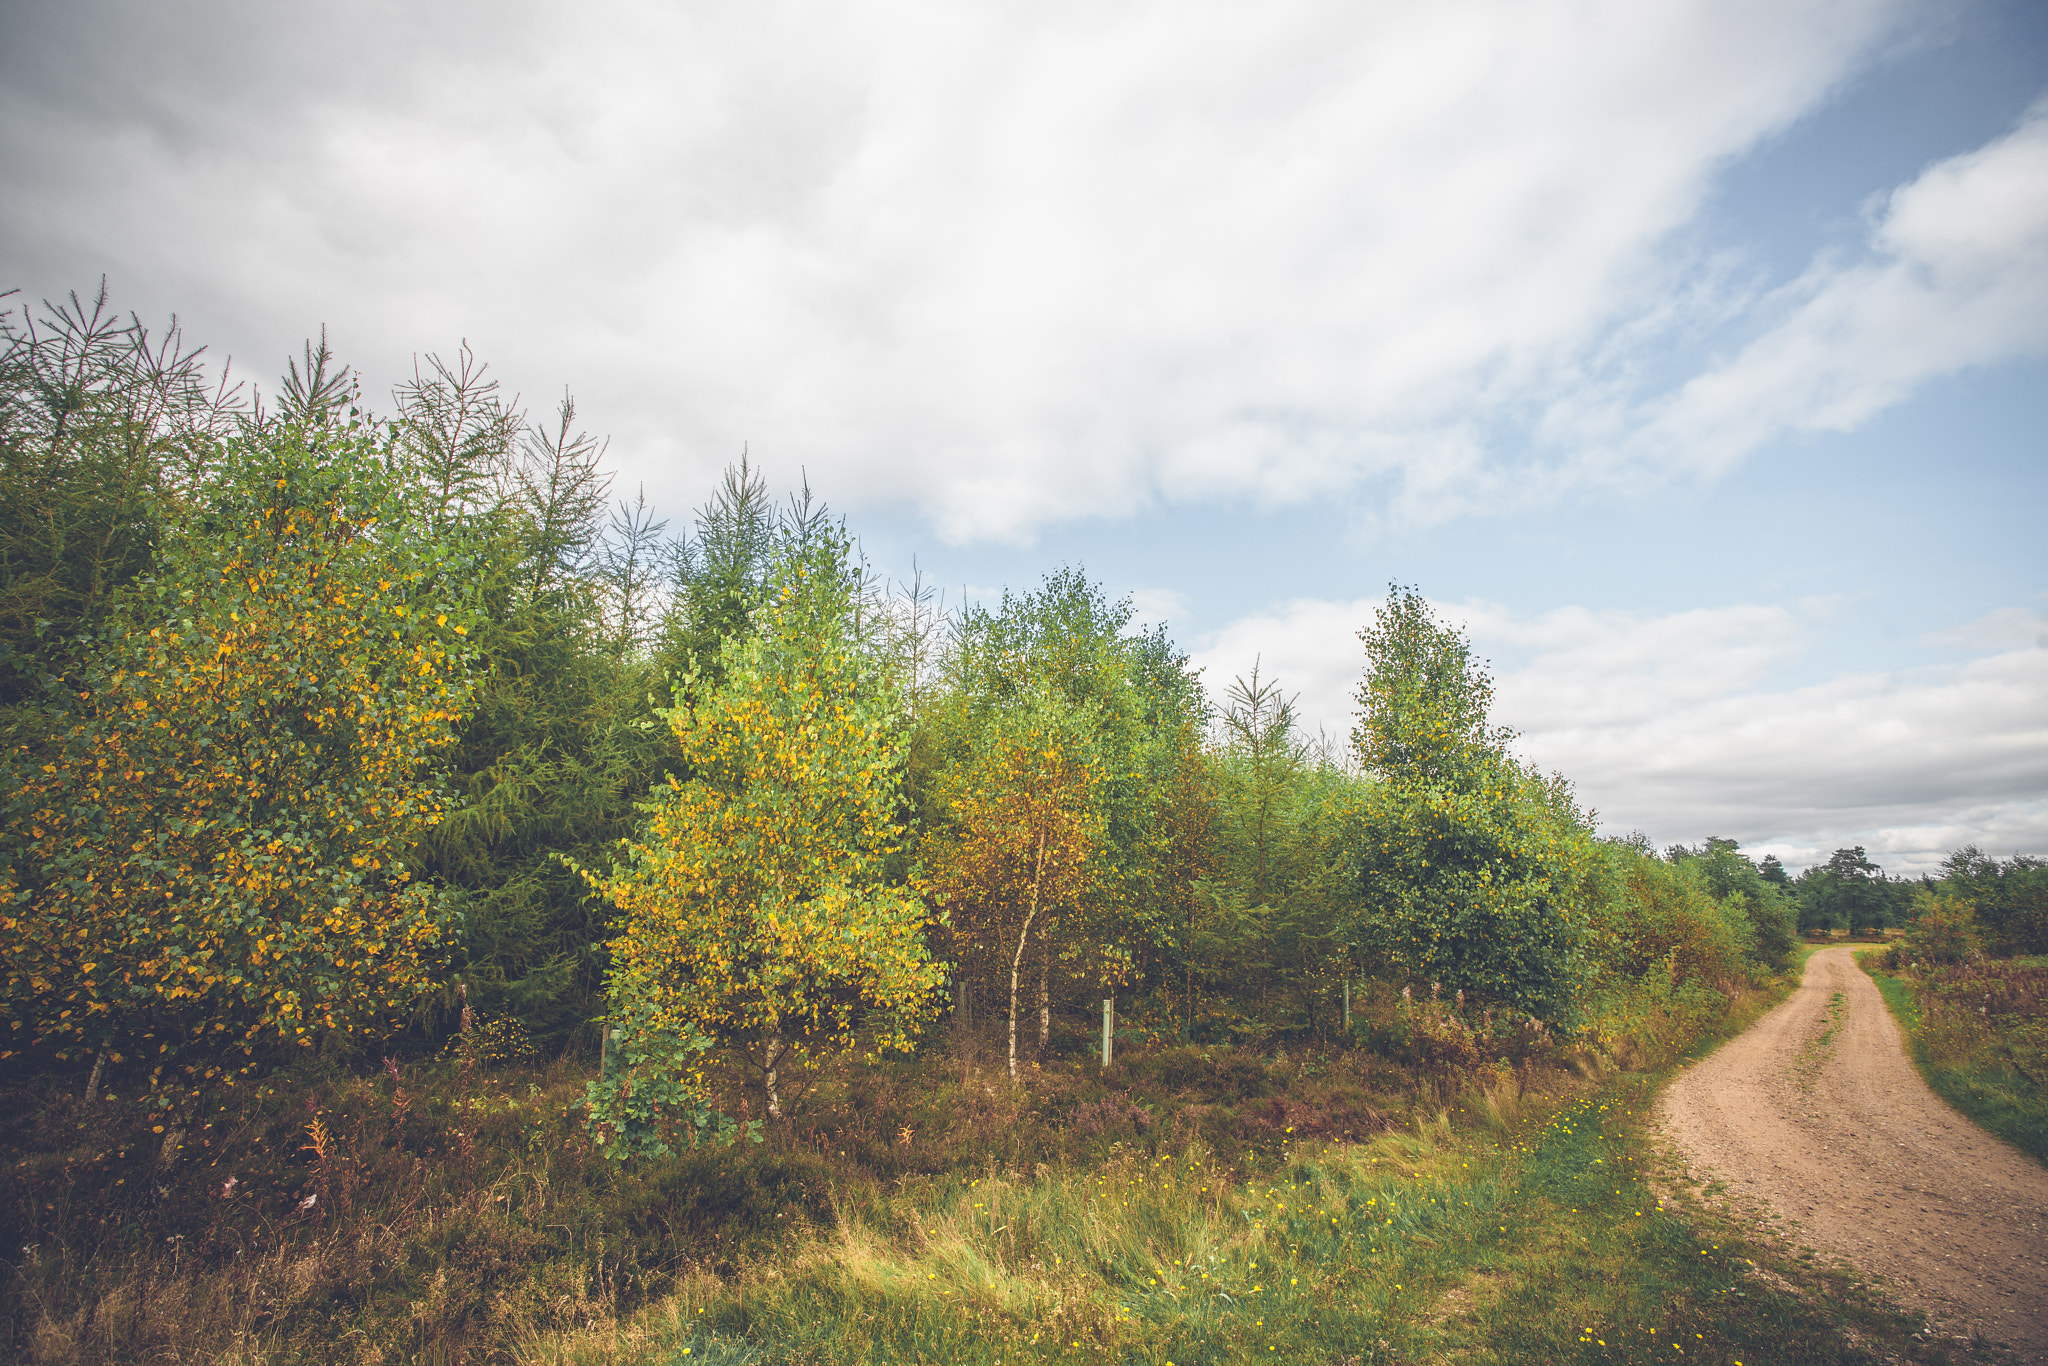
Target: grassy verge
{"type": "Point", "coordinates": [1535, 1235]}
{"type": "Point", "coordinates": [1974, 1080]}
{"type": "Point", "coordinates": [1188, 1204]}
{"type": "Point", "coordinates": [1543, 1244]}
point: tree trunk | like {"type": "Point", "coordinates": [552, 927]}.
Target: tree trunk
{"type": "Point", "coordinates": [92, 1083]}
{"type": "Point", "coordinates": [1044, 1006]}
{"type": "Point", "coordinates": [1017, 961]}
{"type": "Point", "coordinates": [771, 1054]}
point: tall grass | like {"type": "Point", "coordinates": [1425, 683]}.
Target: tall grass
{"type": "Point", "coordinates": [1543, 1242]}
{"type": "Point", "coordinates": [925, 1209]}
{"type": "Point", "coordinates": [1145, 1258]}
{"type": "Point", "coordinates": [1979, 1035]}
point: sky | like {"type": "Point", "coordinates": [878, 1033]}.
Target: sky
{"type": "Point", "coordinates": [1692, 357]}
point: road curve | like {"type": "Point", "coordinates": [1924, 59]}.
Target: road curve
{"type": "Point", "coordinates": [1815, 1114]}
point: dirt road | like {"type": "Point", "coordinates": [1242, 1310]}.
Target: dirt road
{"type": "Point", "coordinates": [1816, 1116]}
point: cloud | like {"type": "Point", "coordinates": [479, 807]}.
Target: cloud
{"type": "Point", "coordinates": [1679, 724]}
{"type": "Point", "coordinates": [1008, 266]}
{"type": "Point", "coordinates": [1957, 276]}
{"type": "Point", "coordinates": [1157, 606]}
{"type": "Point", "coordinates": [2006, 628]}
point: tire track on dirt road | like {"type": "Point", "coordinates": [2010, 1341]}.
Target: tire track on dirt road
{"type": "Point", "coordinates": [1815, 1115]}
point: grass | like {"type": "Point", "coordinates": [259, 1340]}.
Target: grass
{"type": "Point", "coordinates": [1544, 1243]}
{"type": "Point", "coordinates": [1189, 1205]}
{"type": "Point", "coordinates": [1967, 1063]}
{"type": "Point", "coordinates": [1509, 1227]}
{"type": "Point", "coordinates": [455, 1213]}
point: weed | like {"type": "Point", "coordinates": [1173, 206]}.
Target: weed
{"type": "Point", "coordinates": [1979, 1034]}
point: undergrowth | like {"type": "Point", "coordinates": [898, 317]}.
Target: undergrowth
{"type": "Point", "coordinates": [1540, 1242]}
{"type": "Point", "coordinates": [1979, 1035]}
{"type": "Point", "coordinates": [1512, 1226]}
{"type": "Point", "coordinates": [1188, 1203]}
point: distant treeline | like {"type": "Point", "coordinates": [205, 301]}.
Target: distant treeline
{"type": "Point", "coordinates": [324, 724]}
{"type": "Point", "coordinates": [1850, 893]}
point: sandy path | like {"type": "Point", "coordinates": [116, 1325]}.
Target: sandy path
{"type": "Point", "coordinates": [1816, 1115]}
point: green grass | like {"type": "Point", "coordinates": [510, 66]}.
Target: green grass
{"type": "Point", "coordinates": [1612, 1274]}
{"type": "Point", "coordinates": [1996, 1097]}
{"type": "Point", "coordinates": [1190, 1205]}
{"type": "Point", "coordinates": [1546, 1245]}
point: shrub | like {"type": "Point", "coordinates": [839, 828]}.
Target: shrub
{"type": "Point", "coordinates": [1944, 930]}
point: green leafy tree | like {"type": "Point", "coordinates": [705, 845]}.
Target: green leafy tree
{"type": "Point", "coordinates": [1143, 711]}
{"type": "Point", "coordinates": [1469, 865]}
{"type": "Point", "coordinates": [1847, 892]}
{"type": "Point", "coordinates": [1423, 702]}
{"type": "Point", "coordinates": [218, 847]}
{"type": "Point", "coordinates": [721, 577]}
{"type": "Point", "coordinates": [2010, 896]}
{"type": "Point", "coordinates": [102, 423]}
{"type": "Point", "coordinates": [1022, 856]}
{"type": "Point", "coordinates": [1944, 929]}
{"type": "Point", "coordinates": [562, 739]}
{"type": "Point", "coordinates": [1264, 760]}
{"type": "Point", "coordinates": [754, 909]}
{"type": "Point", "coordinates": [1274, 932]}
{"type": "Point", "coordinates": [1758, 912]}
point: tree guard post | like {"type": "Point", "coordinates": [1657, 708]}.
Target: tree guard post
{"type": "Point", "coordinates": [1347, 1005]}
{"type": "Point", "coordinates": [1108, 1025]}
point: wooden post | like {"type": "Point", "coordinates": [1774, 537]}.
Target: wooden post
{"type": "Point", "coordinates": [1347, 1005]}
{"type": "Point", "coordinates": [1108, 1026]}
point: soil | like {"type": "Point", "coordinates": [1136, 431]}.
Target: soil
{"type": "Point", "coordinates": [1815, 1118]}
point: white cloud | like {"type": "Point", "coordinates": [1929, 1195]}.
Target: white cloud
{"type": "Point", "coordinates": [1008, 265]}
{"type": "Point", "coordinates": [1157, 606]}
{"type": "Point", "coordinates": [2006, 628]}
{"type": "Point", "coordinates": [1957, 277]}
{"type": "Point", "coordinates": [1675, 724]}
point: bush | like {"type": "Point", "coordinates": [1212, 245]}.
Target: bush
{"type": "Point", "coordinates": [1944, 930]}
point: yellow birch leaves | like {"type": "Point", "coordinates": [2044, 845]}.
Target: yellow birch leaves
{"type": "Point", "coordinates": [221, 830]}
{"type": "Point", "coordinates": [755, 907]}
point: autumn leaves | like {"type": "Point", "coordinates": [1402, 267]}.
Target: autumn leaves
{"type": "Point", "coordinates": [1023, 854]}
{"type": "Point", "coordinates": [221, 824]}
{"type": "Point", "coordinates": [755, 909]}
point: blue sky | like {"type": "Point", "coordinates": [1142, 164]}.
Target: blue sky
{"type": "Point", "coordinates": [1694, 356]}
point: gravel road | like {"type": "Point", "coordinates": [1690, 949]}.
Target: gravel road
{"type": "Point", "coordinates": [1814, 1115]}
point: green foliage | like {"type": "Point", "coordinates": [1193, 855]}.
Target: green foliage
{"type": "Point", "coordinates": [1850, 892]}
{"type": "Point", "coordinates": [218, 842]}
{"type": "Point", "coordinates": [99, 423]}
{"type": "Point", "coordinates": [1943, 930]}
{"type": "Point", "coordinates": [1477, 889]}
{"type": "Point", "coordinates": [722, 577]}
{"type": "Point", "coordinates": [1021, 864]}
{"type": "Point", "coordinates": [756, 907]}
{"type": "Point", "coordinates": [1469, 865]}
{"type": "Point", "coordinates": [561, 739]}
{"type": "Point", "coordinates": [1136, 711]}
{"type": "Point", "coordinates": [1648, 913]}
{"type": "Point", "coordinates": [2011, 896]}
{"type": "Point", "coordinates": [1261, 765]}
{"type": "Point", "coordinates": [1754, 904]}
{"type": "Point", "coordinates": [645, 1100]}
{"type": "Point", "coordinates": [1422, 705]}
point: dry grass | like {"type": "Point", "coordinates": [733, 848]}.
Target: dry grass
{"type": "Point", "coordinates": [463, 1216]}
